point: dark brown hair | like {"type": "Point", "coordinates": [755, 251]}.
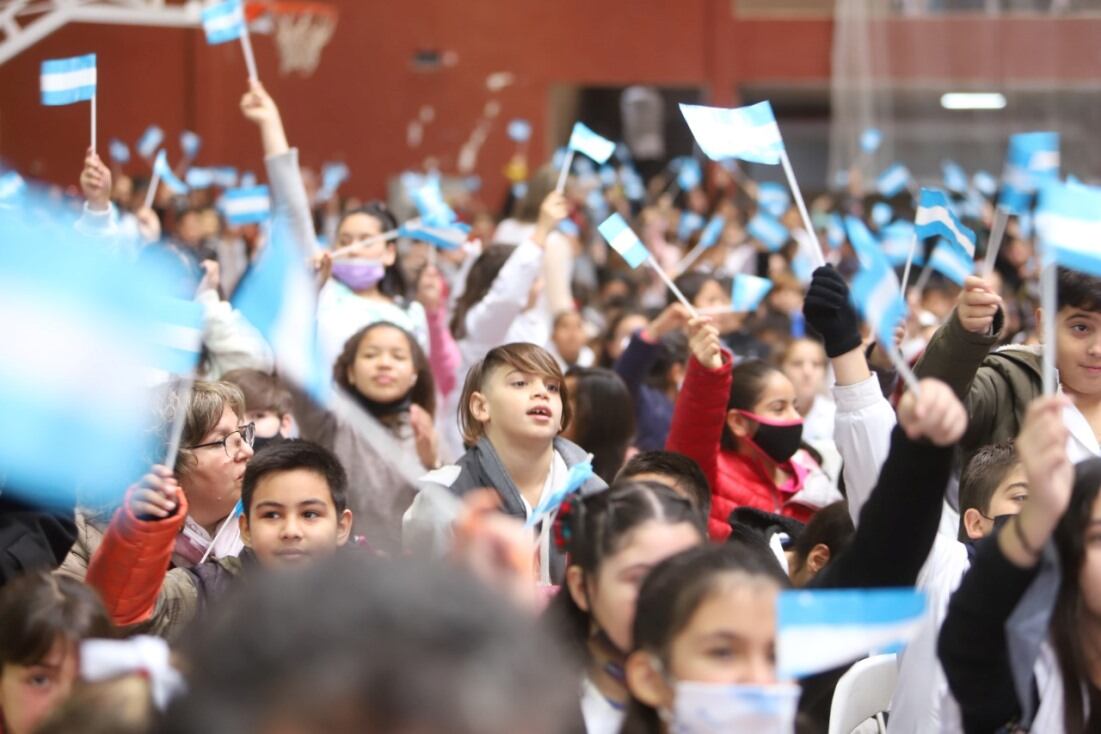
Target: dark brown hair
{"type": "Point", "coordinates": [39, 609]}
{"type": "Point", "coordinates": [424, 390]}
{"type": "Point", "coordinates": [262, 391]}
{"type": "Point", "coordinates": [987, 468]}
{"type": "Point", "coordinates": [478, 282]}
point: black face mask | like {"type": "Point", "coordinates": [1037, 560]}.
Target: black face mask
{"type": "Point", "coordinates": [259, 442]}
{"type": "Point", "coordinates": [384, 409]}
{"type": "Point", "coordinates": [779, 441]}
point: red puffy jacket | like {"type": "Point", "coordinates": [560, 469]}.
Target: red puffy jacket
{"type": "Point", "coordinates": [736, 481]}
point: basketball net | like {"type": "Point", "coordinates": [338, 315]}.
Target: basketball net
{"type": "Point", "coordinates": [301, 31]}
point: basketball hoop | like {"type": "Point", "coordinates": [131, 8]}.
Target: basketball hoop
{"type": "Point", "coordinates": [301, 30]}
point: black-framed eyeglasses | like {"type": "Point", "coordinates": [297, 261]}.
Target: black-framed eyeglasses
{"type": "Point", "coordinates": [232, 443]}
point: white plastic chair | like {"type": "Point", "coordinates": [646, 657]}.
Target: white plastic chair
{"type": "Point", "coordinates": [863, 692]}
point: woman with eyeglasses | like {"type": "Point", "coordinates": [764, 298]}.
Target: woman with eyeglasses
{"type": "Point", "coordinates": [214, 450]}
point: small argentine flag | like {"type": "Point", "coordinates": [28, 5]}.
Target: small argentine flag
{"type": "Point", "coordinates": [225, 176]}
{"type": "Point", "coordinates": [224, 21]}
{"type": "Point", "coordinates": [65, 81]}
{"type": "Point", "coordinates": [951, 262]}
{"type": "Point", "coordinates": [448, 237]}
{"type": "Point", "coordinates": [749, 133]}
{"type": "Point", "coordinates": [870, 140]}
{"type": "Point", "coordinates": [619, 235]}
{"type": "Point", "coordinates": [200, 178]}
{"type": "Point", "coordinates": [584, 140]}
{"type": "Point", "coordinates": [712, 232]}
{"type": "Point", "coordinates": [1032, 161]}
{"type": "Point", "coordinates": [689, 224]}
{"type": "Point", "coordinates": [170, 179]}
{"type": "Point", "coordinates": [935, 218]}
{"type": "Point", "coordinates": [985, 183]}
{"type": "Point", "coordinates": [1068, 224]}
{"type": "Point", "coordinates": [633, 188]}
{"type": "Point", "coordinates": [178, 339]}
{"type": "Point", "coordinates": [747, 292]}
{"type": "Point", "coordinates": [190, 143]}
{"type": "Point", "coordinates": [881, 214]}
{"type": "Point", "coordinates": [773, 198]}
{"type": "Point", "coordinates": [875, 292]}
{"type": "Point", "coordinates": [519, 130]}
{"type": "Point", "coordinates": [119, 151]}
{"type": "Point", "coordinates": [824, 629]}
{"type": "Point", "coordinates": [893, 181]}
{"type": "Point", "coordinates": [862, 241]}
{"type": "Point", "coordinates": [433, 210]}
{"type": "Point", "coordinates": [150, 141]}
{"type": "Point", "coordinates": [768, 231]}
{"type": "Point", "coordinates": [608, 176]}
{"type": "Point", "coordinates": [897, 237]}
{"type": "Point", "coordinates": [246, 205]}
{"type": "Point", "coordinates": [689, 176]}
{"type": "Point", "coordinates": [579, 474]}
{"type": "Point", "coordinates": [955, 178]}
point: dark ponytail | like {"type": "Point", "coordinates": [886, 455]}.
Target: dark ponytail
{"type": "Point", "coordinates": [589, 529]}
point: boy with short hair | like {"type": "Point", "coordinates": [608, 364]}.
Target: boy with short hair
{"type": "Point", "coordinates": [268, 404]}
{"type": "Point", "coordinates": [294, 510]}
{"type": "Point", "coordinates": [997, 387]}
{"type": "Point", "coordinates": [993, 485]}
{"type": "Point", "coordinates": [676, 471]}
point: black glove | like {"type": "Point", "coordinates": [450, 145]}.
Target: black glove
{"type": "Point", "coordinates": [828, 311]}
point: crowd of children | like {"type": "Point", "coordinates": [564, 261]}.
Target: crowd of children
{"type": "Point", "coordinates": [385, 560]}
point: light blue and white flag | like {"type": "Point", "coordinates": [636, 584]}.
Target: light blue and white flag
{"type": "Point", "coordinates": [278, 297]}
{"type": "Point", "coordinates": [77, 331]}
{"type": "Point", "coordinates": [768, 231]}
{"type": "Point", "coordinates": [447, 237]}
{"type": "Point", "coordinates": [689, 175]}
{"type": "Point", "coordinates": [835, 231]}
{"type": "Point", "coordinates": [690, 223]}
{"type": "Point", "coordinates": [896, 240]}
{"type": "Point", "coordinates": [246, 205]}
{"type": "Point", "coordinates": [200, 178]}
{"type": "Point", "coordinates": [190, 143]}
{"type": "Point", "coordinates": [584, 140]}
{"type": "Point", "coordinates": [951, 262]}
{"type": "Point", "coordinates": [935, 218]}
{"type": "Point", "coordinates": [223, 21]}
{"type": "Point", "coordinates": [167, 175]}
{"type": "Point", "coordinates": [862, 240]}
{"type": "Point", "coordinates": [633, 188]}
{"type": "Point", "coordinates": [712, 232]}
{"type": "Point", "coordinates": [584, 168]}
{"type": "Point", "coordinates": [747, 292]}
{"type": "Point", "coordinates": [225, 176]}
{"type": "Point", "coordinates": [881, 214]}
{"type": "Point", "coordinates": [248, 179]}
{"type": "Point", "coordinates": [893, 181]}
{"type": "Point", "coordinates": [150, 141]}
{"type": "Point", "coordinates": [332, 176]}
{"type": "Point", "coordinates": [623, 240]}
{"type": "Point", "coordinates": [12, 187]}
{"type": "Point", "coordinates": [985, 183]}
{"type": "Point", "coordinates": [579, 474]}
{"type": "Point", "coordinates": [1068, 225]}
{"type": "Point", "coordinates": [823, 629]}
{"type": "Point", "coordinates": [519, 130]}
{"type": "Point", "coordinates": [178, 342]}
{"type": "Point", "coordinates": [876, 293]}
{"type": "Point", "coordinates": [65, 81]}
{"type": "Point", "coordinates": [608, 176]}
{"type": "Point", "coordinates": [870, 140]}
{"type": "Point", "coordinates": [748, 133]}
{"type": "Point", "coordinates": [431, 207]}
{"type": "Point", "coordinates": [1032, 161]}
{"type": "Point", "coordinates": [774, 198]}
{"type": "Point", "coordinates": [119, 151]}
{"type": "Point", "coordinates": [598, 207]}
{"type": "Point", "coordinates": [955, 178]}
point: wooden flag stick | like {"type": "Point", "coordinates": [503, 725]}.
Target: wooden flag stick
{"type": "Point", "coordinates": [565, 172]}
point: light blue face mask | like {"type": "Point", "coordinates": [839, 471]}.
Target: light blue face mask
{"type": "Point", "coordinates": [718, 708]}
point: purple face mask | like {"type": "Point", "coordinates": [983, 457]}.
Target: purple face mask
{"type": "Point", "coordinates": [359, 275]}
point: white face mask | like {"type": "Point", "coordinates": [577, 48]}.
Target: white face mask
{"type": "Point", "coordinates": [714, 708]}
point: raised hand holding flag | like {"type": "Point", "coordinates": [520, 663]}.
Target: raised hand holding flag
{"type": "Point", "coordinates": [225, 21]}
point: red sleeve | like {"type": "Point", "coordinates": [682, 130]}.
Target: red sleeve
{"type": "Point", "coordinates": [700, 414]}
{"type": "Point", "coordinates": [129, 565]}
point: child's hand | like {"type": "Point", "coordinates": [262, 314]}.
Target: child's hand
{"type": "Point", "coordinates": [828, 310]}
{"type": "Point", "coordinates": [936, 414]}
{"type": "Point", "coordinates": [155, 495]}
{"type": "Point", "coordinates": [149, 225]}
{"type": "Point", "coordinates": [553, 210]}
{"type": "Point", "coordinates": [258, 106]}
{"type": "Point", "coordinates": [322, 264]}
{"type": "Point", "coordinates": [430, 288]}
{"type": "Point", "coordinates": [978, 304]}
{"type": "Point", "coordinates": [95, 182]}
{"type": "Point", "coordinates": [703, 341]}
{"type": "Point", "coordinates": [1042, 446]}
{"type": "Point", "coordinates": [674, 317]}
{"type": "Point", "coordinates": [425, 437]}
